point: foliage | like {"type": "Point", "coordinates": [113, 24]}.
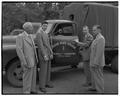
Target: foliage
{"type": "Point", "coordinates": [15, 14]}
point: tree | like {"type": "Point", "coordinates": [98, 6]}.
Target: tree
{"type": "Point", "coordinates": [15, 14]}
{"type": "Point", "coordinates": [62, 5]}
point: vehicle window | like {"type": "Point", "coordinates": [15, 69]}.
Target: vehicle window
{"type": "Point", "coordinates": [49, 28]}
{"type": "Point", "coordinates": [64, 29]}
{"type": "Point", "coordinates": [58, 30]}
{"type": "Point", "coordinates": [36, 26]}
{"type": "Point", "coordinates": [16, 31]}
{"type": "Point", "coordinates": [71, 17]}
{"type": "Point", "coordinates": [68, 30]}
{"type": "Point", "coordinates": [35, 29]}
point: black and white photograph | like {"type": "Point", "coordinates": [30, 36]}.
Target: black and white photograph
{"type": "Point", "coordinates": [59, 47]}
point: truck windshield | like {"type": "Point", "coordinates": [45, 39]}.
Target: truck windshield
{"type": "Point", "coordinates": [65, 29]}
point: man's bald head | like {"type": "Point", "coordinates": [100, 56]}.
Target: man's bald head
{"type": "Point", "coordinates": [28, 27]}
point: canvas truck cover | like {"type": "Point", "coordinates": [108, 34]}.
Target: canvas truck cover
{"type": "Point", "coordinates": [94, 13]}
{"type": "Point", "coordinates": [76, 9]}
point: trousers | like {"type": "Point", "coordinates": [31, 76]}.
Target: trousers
{"type": "Point", "coordinates": [44, 73]}
{"type": "Point", "coordinates": [29, 80]}
{"type": "Point", "coordinates": [97, 78]}
{"type": "Point", "coordinates": [87, 72]}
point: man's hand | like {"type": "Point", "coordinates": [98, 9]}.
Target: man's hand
{"type": "Point", "coordinates": [46, 58]}
{"type": "Point", "coordinates": [78, 43]}
{"type": "Point", "coordinates": [76, 40]}
{"type": "Point", "coordinates": [24, 66]}
{"type": "Point", "coordinates": [95, 65]}
{"type": "Point", "coordinates": [51, 56]}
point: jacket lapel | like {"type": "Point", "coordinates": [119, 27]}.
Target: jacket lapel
{"type": "Point", "coordinates": [94, 45]}
{"type": "Point", "coordinates": [27, 38]}
{"type": "Point", "coordinates": [34, 48]}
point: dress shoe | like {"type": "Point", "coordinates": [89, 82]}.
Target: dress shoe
{"type": "Point", "coordinates": [43, 90]}
{"type": "Point", "coordinates": [33, 92]}
{"type": "Point", "coordinates": [50, 85]}
{"type": "Point", "coordinates": [86, 84]}
{"type": "Point", "coordinates": [92, 89]}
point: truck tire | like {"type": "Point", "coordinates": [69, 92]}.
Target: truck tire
{"type": "Point", "coordinates": [14, 73]}
{"type": "Point", "coordinates": [114, 64]}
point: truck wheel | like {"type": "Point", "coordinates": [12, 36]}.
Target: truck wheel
{"type": "Point", "coordinates": [114, 64]}
{"type": "Point", "coordinates": [14, 73]}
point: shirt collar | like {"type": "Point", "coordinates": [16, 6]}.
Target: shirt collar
{"type": "Point", "coordinates": [25, 33]}
{"type": "Point", "coordinates": [97, 35]}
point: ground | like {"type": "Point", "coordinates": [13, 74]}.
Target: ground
{"type": "Point", "coordinates": [69, 81]}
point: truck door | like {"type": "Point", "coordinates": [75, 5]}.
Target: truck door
{"type": "Point", "coordinates": [65, 52]}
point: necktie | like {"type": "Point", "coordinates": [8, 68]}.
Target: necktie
{"type": "Point", "coordinates": [34, 48]}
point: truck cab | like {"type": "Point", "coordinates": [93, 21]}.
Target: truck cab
{"type": "Point", "coordinates": [62, 33]}
{"type": "Point", "coordinates": [61, 36]}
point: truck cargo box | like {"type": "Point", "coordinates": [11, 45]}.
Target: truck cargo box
{"type": "Point", "coordinates": [94, 13]}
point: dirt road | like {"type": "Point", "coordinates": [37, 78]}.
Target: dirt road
{"type": "Point", "coordinates": [69, 81]}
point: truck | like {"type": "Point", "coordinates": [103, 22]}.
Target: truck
{"type": "Point", "coordinates": [62, 33]}
{"type": "Point", "coordinates": [105, 15]}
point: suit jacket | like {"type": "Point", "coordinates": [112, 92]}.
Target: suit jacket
{"type": "Point", "coordinates": [86, 50]}
{"type": "Point", "coordinates": [26, 50]}
{"type": "Point", "coordinates": [88, 39]}
{"type": "Point", "coordinates": [44, 48]}
{"type": "Point", "coordinates": [97, 51]}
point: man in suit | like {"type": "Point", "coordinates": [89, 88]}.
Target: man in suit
{"type": "Point", "coordinates": [85, 52]}
{"type": "Point", "coordinates": [97, 60]}
{"type": "Point", "coordinates": [88, 38]}
{"type": "Point", "coordinates": [45, 55]}
{"type": "Point", "coordinates": [27, 54]}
